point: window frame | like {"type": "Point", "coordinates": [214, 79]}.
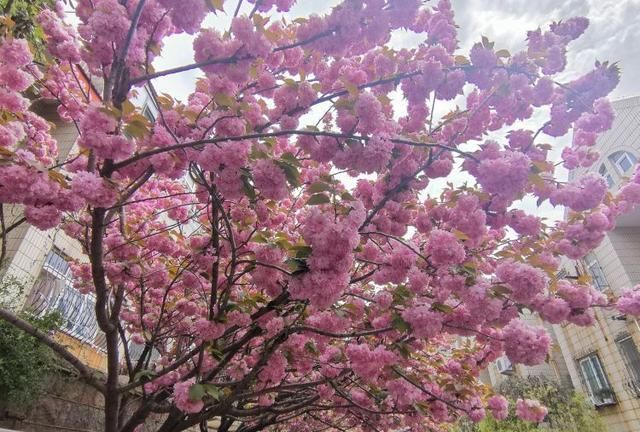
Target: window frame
{"type": "Point", "coordinates": [617, 158]}
{"type": "Point", "coordinates": [595, 271]}
{"type": "Point", "coordinates": [601, 380]}
{"type": "Point", "coordinates": [75, 308]}
{"type": "Point", "coordinates": [604, 172]}
{"type": "Point", "coordinates": [632, 366]}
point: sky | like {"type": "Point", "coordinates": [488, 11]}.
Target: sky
{"type": "Point", "coordinates": [613, 35]}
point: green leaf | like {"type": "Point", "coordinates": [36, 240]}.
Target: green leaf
{"type": "Point", "coordinates": [196, 392]}
{"type": "Point", "coordinates": [216, 353]}
{"type": "Point", "coordinates": [288, 165]}
{"type": "Point", "coordinates": [310, 346]}
{"type": "Point", "coordinates": [318, 199]}
{"type": "Point", "coordinates": [399, 324]}
{"type": "Point", "coordinates": [213, 391]}
{"type": "Point", "coordinates": [224, 100]}
{"type": "Point", "coordinates": [136, 129]}
{"type": "Point", "coordinates": [247, 186]}
{"type": "Point", "coordinates": [128, 107]}
{"type": "Point", "coordinates": [297, 265]}
{"type": "Point", "coordinates": [144, 373]}
{"type": "Point", "coordinates": [284, 244]}
{"type": "Point", "coordinates": [259, 238]}
{"type": "Point", "coordinates": [441, 307]}
{"type": "Point", "coordinates": [401, 294]}
{"type": "Point", "coordinates": [217, 4]}
{"type": "Point", "coordinates": [319, 187]}
{"type": "Point", "coordinates": [346, 196]}
{"type": "Point", "coordinates": [290, 158]}
{"type": "Point", "coordinates": [292, 174]}
{"type": "Point", "coordinates": [302, 251]}
{"type": "Point", "coordinates": [403, 349]}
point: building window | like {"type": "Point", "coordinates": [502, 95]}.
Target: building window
{"type": "Point", "coordinates": [631, 358]}
{"type": "Point", "coordinates": [54, 292]}
{"type": "Point", "coordinates": [595, 271]}
{"type": "Point", "coordinates": [56, 264]}
{"type": "Point", "coordinates": [148, 113]}
{"type": "Point", "coordinates": [624, 161]}
{"type": "Point", "coordinates": [605, 173]}
{"type": "Point", "coordinates": [504, 366]}
{"type": "Point", "coordinates": [598, 386]}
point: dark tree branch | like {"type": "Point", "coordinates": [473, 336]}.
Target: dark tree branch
{"type": "Point", "coordinates": [86, 373]}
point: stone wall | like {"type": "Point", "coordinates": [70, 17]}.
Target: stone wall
{"type": "Point", "coordinates": [67, 405]}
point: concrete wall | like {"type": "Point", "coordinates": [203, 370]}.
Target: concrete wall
{"type": "Point", "coordinates": [67, 405]}
{"type": "Point", "coordinates": [619, 258]}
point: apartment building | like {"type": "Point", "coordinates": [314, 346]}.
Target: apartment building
{"type": "Point", "coordinates": [604, 360]}
{"type": "Point", "coordinates": [601, 361]}
{"type": "Point", "coordinates": [39, 260]}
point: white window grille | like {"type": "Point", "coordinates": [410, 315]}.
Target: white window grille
{"type": "Point", "coordinates": [598, 386]}
{"type": "Point", "coordinates": [54, 292]}
{"type": "Point", "coordinates": [598, 279]}
{"type": "Point", "coordinates": [631, 357]}
{"type": "Point", "coordinates": [504, 366]}
{"type": "Point", "coordinates": [623, 161]}
{"type": "Point", "coordinates": [605, 173]}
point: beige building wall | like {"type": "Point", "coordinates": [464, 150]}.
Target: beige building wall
{"type": "Point", "coordinates": [618, 258]}
{"type": "Point", "coordinates": [28, 247]}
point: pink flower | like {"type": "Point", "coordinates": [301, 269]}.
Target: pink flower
{"type": "Point", "coordinates": [44, 218]}
{"type": "Point", "coordinates": [93, 189]}
{"type": "Point", "coordinates": [424, 322]}
{"type": "Point", "coordinates": [444, 249]}
{"type": "Point", "coordinates": [368, 363]}
{"type": "Point", "coordinates": [629, 302]}
{"type": "Point", "coordinates": [499, 407]}
{"type": "Point", "coordinates": [505, 175]}
{"type": "Point", "coordinates": [270, 179]}
{"type": "Point", "coordinates": [182, 399]}
{"type": "Point", "coordinates": [554, 310]}
{"type": "Point", "coordinates": [525, 344]}
{"type": "Point", "coordinates": [530, 410]}
{"type": "Point", "coordinates": [525, 281]}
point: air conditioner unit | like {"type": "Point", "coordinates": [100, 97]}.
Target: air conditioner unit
{"type": "Point", "coordinates": [504, 366]}
{"type": "Point", "coordinates": [603, 397]}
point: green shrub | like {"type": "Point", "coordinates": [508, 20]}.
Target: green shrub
{"type": "Point", "coordinates": [24, 361]}
{"type": "Point", "coordinates": [569, 411]}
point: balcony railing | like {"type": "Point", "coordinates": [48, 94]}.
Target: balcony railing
{"type": "Point", "coordinates": [52, 294]}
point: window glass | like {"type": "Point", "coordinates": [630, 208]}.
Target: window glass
{"type": "Point", "coordinates": [624, 161]}
{"type": "Point", "coordinates": [631, 357]}
{"type": "Point", "coordinates": [604, 173]}
{"type": "Point", "coordinates": [595, 271]}
{"type": "Point", "coordinates": [596, 381]}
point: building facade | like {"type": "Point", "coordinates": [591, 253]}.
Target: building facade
{"type": "Point", "coordinates": [604, 360]}
{"type": "Point", "coordinates": [38, 262]}
{"type": "Point", "coordinates": [601, 361]}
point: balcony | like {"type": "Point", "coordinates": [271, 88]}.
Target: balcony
{"type": "Point", "coordinates": [54, 292]}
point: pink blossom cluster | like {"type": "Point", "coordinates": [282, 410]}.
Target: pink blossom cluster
{"type": "Point", "coordinates": [444, 248]}
{"type": "Point", "coordinates": [499, 407]}
{"type": "Point", "coordinates": [525, 344]}
{"type": "Point", "coordinates": [183, 401]}
{"type": "Point", "coordinates": [61, 38]}
{"type": "Point", "coordinates": [424, 322]}
{"type": "Point", "coordinates": [524, 280]}
{"type": "Point", "coordinates": [530, 410]}
{"type": "Point", "coordinates": [332, 244]}
{"type": "Point", "coordinates": [368, 363]}
{"type": "Point", "coordinates": [629, 302]}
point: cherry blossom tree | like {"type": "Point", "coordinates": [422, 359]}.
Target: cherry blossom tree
{"type": "Point", "coordinates": [279, 237]}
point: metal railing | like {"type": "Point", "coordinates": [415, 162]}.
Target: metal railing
{"type": "Point", "coordinates": [53, 294]}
